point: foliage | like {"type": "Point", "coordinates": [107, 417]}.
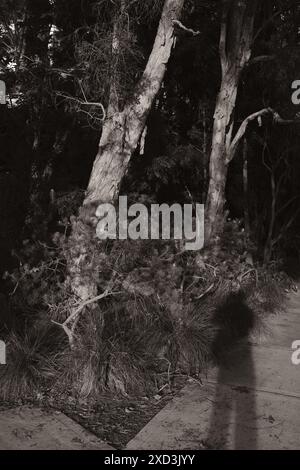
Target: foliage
{"type": "Point", "coordinates": [162, 317]}
{"type": "Point", "coordinates": [166, 306]}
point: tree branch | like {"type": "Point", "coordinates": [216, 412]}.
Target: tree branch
{"type": "Point", "coordinates": [85, 103]}
{"type": "Point", "coordinates": [263, 27]}
{"type": "Point", "coordinates": [184, 28]}
{"type": "Point", "coordinates": [243, 127]}
{"type": "Point", "coordinates": [74, 316]}
{"type": "Point", "coordinates": [261, 58]}
{"type": "Point", "coordinates": [242, 130]}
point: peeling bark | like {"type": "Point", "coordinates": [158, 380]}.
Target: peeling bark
{"type": "Point", "coordinates": [235, 51]}
{"type": "Point", "coordinates": [222, 134]}
{"type": "Point", "coordinates": [123, 128]}
{"type": "Point", "coordinates": [121, 134]}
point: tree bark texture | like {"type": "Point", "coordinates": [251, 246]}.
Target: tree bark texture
{"type": "Point", "coordinates": [235, 51]}
{"type": "Point", "coordinates": [121, 133]}
{"type": "Point", "coordinates": [123, 129]}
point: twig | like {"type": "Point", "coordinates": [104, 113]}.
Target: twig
{"type": "Point", "coordinates": [85, 103]}
{"type": "Point", "coordinates": [213, 268]}
{"type": "Point", "coordinates": [206, 292]}
{"type": "Point", "coordinates": [266, 23]}
{"type": "Point", "coordinates": [241, 277]}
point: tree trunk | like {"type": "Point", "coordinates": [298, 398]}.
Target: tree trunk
{"type": "Point", "coordinates": [121, 133]}
{"type": "Point", "coordinates": [123, 129]}
{"type": "Point", "coordinates": [222, 134]}
{"type": "Point", "coordinates": [235, 51]}
{"type": "Point", "coordinates": [111, 161]}
{"type": "Point", "coordinates": [245, 189]}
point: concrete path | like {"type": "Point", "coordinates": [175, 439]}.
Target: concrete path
{"type": "Point", "coordinates": [28, 428]}
{"type": "Point", "coordinates": [252, 403]}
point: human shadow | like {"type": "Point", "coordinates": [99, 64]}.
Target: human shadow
{"type": "Point", "coordinates": [233, 419]}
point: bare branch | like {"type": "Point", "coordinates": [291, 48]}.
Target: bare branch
{"type": "Point", "coordinates": [85, 304]}
{"type": "Point", "coordinates": [286, 205]}
{"type": "Point", "coordinates": [85, 103]}
{"type": "Point", "coordinates": [261, 58]}
{"type": "Point", "coordinates": [264, 26]}
{"type": "Point", "coordinates": [184, 28]}
{"type": "Point", "coordinates": [280, 120]}
{"type": "Point", "coordinates": [241, 132]}
{"type": "Point", "coordinates": [210, 288]}
{"type": "Point", "coordinates": [75, 315]}
{"type": "Point", "coordinates": [285, 228]}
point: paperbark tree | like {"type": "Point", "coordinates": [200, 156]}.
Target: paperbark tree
{"type": "Point", "coordinates": [123, 128]}
{"type": "Point", "coordinates": [232, 150]}
{"type": "Point", "coordinates": [236, 38]}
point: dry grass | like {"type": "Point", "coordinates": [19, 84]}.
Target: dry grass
{"type": "Point", "coordinates": [135, 350]}
{"type": "Point", "coordinates": [32, 362]}
{"type": "Point", "coordinates": [134, 344]}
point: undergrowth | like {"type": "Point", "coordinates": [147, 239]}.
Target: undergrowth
{"type": "Point", "coordinates": [166, 309]}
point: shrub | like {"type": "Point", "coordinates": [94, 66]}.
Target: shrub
{"type": "Point", "coordinates": [169, 311]}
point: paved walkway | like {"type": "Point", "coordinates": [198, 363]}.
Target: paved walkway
{"type": "Point", "coordinates": [252, 403]}
{"type": "Point", "coordinates": [27, 428]}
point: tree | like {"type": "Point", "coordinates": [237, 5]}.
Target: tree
{"type": "Point", "coordinates": [121, 133]}
{"type": "Point", "coordinates": [123, 128]}
{"type": "Point", "coordinates": [235, 51]}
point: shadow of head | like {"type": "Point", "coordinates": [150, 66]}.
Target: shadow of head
{"type": "Point", "coordinates": [234, 321]}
